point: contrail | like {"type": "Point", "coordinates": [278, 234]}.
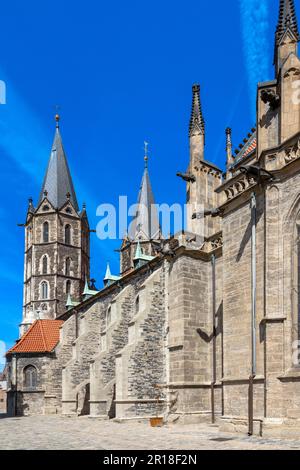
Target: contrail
{"type": "Point", "coordinates": [255, 28]}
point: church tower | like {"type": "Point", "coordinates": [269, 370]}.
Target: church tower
{"type": "Point", "coordinates": [202, 176]}
{"type": "Point", "coordinates": [56, 243]}
{"type": "Point", "coordinates": [144, 230]}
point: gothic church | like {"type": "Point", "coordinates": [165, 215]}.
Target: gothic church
{"type": "Point", "coordinates": [189, 332]}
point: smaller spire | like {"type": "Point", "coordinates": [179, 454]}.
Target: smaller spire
{"type": "Point", "coordinates": [71, 303]}
{"type": "Point", "coordinates": [108, 273]}
{"type": "Point", "coordinates": [87, 293]}
{"type": "Point", "coordinates": [138, 251]}
{"type": "Point", "coordinates": [140, 259]}
{"type": "Point", "coordinates": [30, 205]}
{"type": "Point", "coordinates": [109, 278]}
{"type": "Point", "coordinates": [197, 124]}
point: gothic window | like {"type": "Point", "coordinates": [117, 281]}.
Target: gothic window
{"type": "Point", "coordinates": [45, 265]}
{"type": "Point", "coordinates": [108, 316]}
{"type": "Point", "coordinates": [68, 234]}
{"type": "Point", "coordinates": [30, 377]}
{"type": "Point", "coordinates": [68, 266]}
{"type": "Point", "coordinates": [46, 232]}
{"type": "Point", "coordinates": [137, 305]}
{"type": "Point", "coordinates": [44, 290]}
{"type": "Point", "coordinates": [68, 287]}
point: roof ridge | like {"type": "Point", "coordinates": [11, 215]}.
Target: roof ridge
{"type": "Point", "coordinates": [43, 334]}
{"type": "Point", "coordinates": [21, 340]}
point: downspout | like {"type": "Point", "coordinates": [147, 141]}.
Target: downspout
{"type": "Point", "coordinates": [15, 358]}
{"type": "Point", "coordinates": [253, 314]}
{"type": "Point", "coordinates": [213, 378]}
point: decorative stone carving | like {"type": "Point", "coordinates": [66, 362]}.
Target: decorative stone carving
{"type": "Point", "coordinates": [239, 186]}
{"type": "Point", "coordinates": [292, 153]}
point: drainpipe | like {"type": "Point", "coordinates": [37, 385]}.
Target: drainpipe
{"type": "Point", "coordinates": [15, 369]}
{"type": "Point", "coordinates": [213, 378]}
{"type": "Point", "coordinates": [253, 312]}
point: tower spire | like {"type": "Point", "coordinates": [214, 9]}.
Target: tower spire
{"type": "Point", "coordinates": [196, 130]}
{"type": "Point", "coordinates": [58, 181]}
{"type": "Point", "coordinates": [145, 225]}
{"type": "Point", "coordinates": [197, 124]}
{"type": "Point", "coordinates": [287, 32]}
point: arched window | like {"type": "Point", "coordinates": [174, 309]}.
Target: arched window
{"type": "Point", "coordinates": [30, 377]}
{"type": "Point", "coordinates": [44, 290]}
{"type": "Point", "coordinates": [68, 234]}
{"type": "Point", "coordinates": [46, 232]}
{"type": "Point", "coordinates": [68, 287]}
{"type": "Point", "coordinates": [68, 266]}
{"type": "Point", "coordinates": [137, 304]}
{"type": "Point", "coordinates": [108, 316]}
{"type": "Point", "coordinates": [45, 265]}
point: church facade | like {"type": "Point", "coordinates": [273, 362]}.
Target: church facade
{"type": "Point", "coordinates": [190, 332]}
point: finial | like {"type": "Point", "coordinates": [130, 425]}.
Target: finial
{"type": "Point", "coordinates": [197, 124]}
{"type": "Point", "coordinates": [30, 200]}
{"type": "Point", "coordinates": [57, 116]}
{"type": "Point", "coordinates": [84, 205]}
{"type": "Point", "coordinates": [57, 119]}
{"type": "Point", "coordinates": [228, 137]}
{"type": "Point", "coordinates": [146, 157]}
{"type": "Point", "coordinates": [45, 193]}
{"type": "Point", "coordinates": [68, 195]}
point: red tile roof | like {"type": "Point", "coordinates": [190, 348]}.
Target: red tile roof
{"type": "Point", "coordinates": [251, 147]}
{"type": "Point", "coordinates": [41, 337]}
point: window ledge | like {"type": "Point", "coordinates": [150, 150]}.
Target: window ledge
{"type": "Point", "coordinates": [290, 374]}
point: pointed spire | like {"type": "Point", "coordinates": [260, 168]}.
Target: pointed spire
{"type": "Point", "coordinates": [287, 27]}
{"type": "Point", "coordinates": [31, 208]}
{"type": "Point", "coordinates": [109, 278]}
{"type": "Point", "coordinates": [87, 293]}
{"type": "Point", "coordinates": [107, 273]}
{"type": "Point", "coordinates": [145, 224]}
{"type": "Point", "coordinates": [58, 181]}
{"type": "Point", "coordinates": [197, 124]}
{"type": "Point", "coordinates": [287, 20]}
{"type": "Point", "coordinates": [71, 303]}
{"type": "Point", "coordinates": [138, 251]}
{"type": "Point", "coordinates": [230, 159]}
{"type": "Point", "coordinates": [140, 256]}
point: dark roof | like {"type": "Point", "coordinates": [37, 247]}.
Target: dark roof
{"type": "Point", "coordinates": [197, 124]}
{"type": "Point", "coordinates": [58, 181]}
{"type": "Point", "coordinates": [287, 20]}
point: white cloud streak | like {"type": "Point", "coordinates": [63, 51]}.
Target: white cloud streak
{"type": "Point", "coordinates": [255, 35]}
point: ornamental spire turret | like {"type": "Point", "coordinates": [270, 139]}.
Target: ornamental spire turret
{"type": "Point", "coordinates": [229, 156]}
{"type": "Point", "coordinates": [196, 129]}
{"type": "Point", "coordinates": [287, 32]}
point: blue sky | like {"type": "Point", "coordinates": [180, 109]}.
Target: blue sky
{"type": "Point", "coordinates": [121, 73]}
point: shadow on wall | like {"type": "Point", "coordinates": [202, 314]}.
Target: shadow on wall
{"type": "Point", "coordinates": [83, 400]}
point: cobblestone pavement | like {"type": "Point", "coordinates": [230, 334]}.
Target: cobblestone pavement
{"type": "Point", "coordinates": [55, 432]}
